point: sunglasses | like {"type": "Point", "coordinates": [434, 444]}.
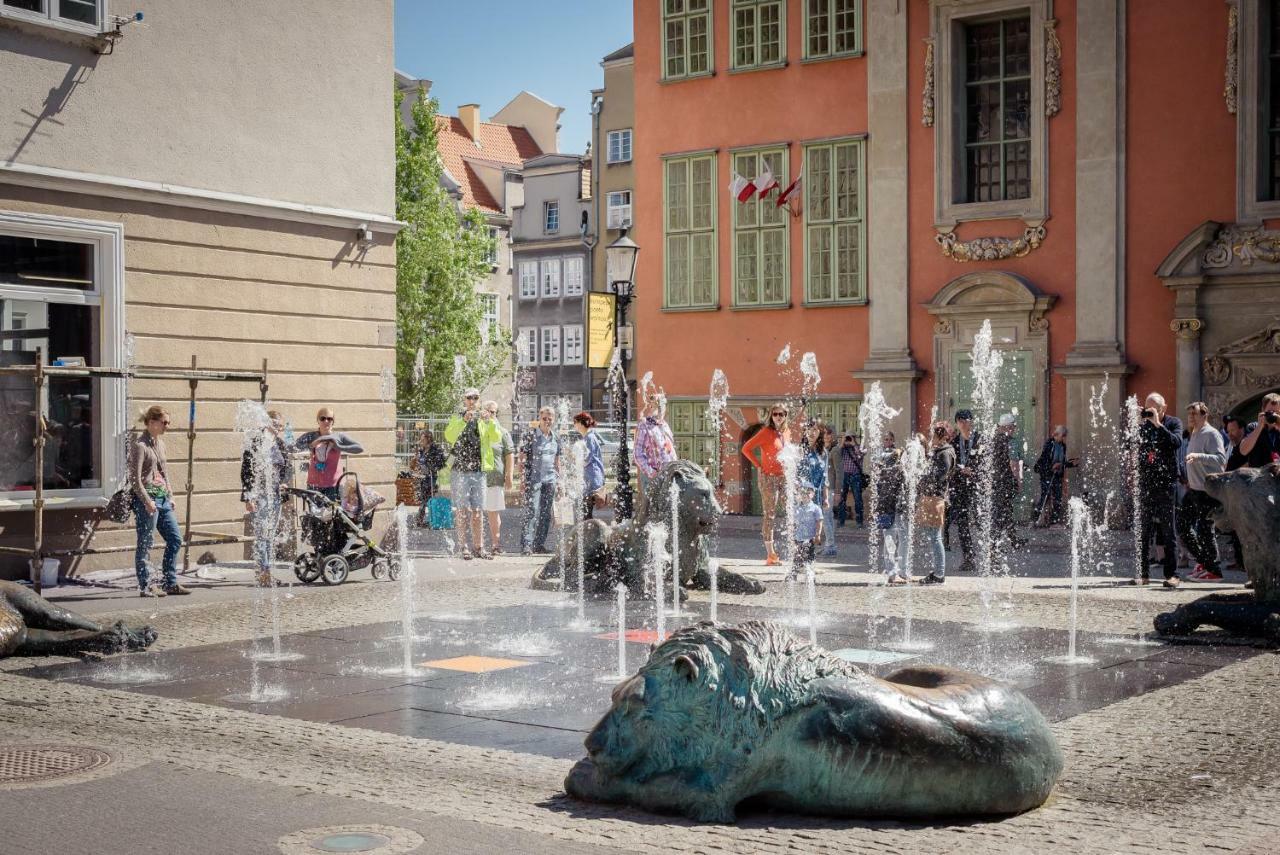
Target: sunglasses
{"type": "Point", "coordinates": [473, 397]}
{"type": "Point", "coordinates": [325, 419]}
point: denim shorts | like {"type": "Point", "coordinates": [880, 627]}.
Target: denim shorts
{"type": "Point", "coordinates": [468, 490]}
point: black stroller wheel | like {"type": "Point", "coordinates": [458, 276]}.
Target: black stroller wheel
{"type": "Point", "coordinates": [394, 569]}
{"type": "Point", "coordinates": [334, 570]}
{"type": "Point", "coordinates": [306, 568]}
{"type": "Point", "coordinates": [380, 569]}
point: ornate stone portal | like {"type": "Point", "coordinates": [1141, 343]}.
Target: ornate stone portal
{"type": "Point", "coordinates": [619, 553]}
{"type": "Point", "coordinates": [1251, 508]}
{"type": "Point", "coordinates": [30, 625]}
{"type": "Point", "coordinates": [720, 715]}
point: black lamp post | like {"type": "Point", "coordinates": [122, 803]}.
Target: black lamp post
{"type": "Point", "coordinates": [620, 267]}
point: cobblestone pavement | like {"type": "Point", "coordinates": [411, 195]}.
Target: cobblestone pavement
{"type": "Point", "coordinates": [1190, 768]}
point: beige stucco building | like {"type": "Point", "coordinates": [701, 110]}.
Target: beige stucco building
{"type": "Point", "coordinates": [613, 110]}
{"type": "Point", "coordinates": [217, 182]}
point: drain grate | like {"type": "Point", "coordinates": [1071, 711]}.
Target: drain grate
{"type": "Point", "coordinates": [27, 763]}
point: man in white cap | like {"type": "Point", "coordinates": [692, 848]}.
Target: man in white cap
{"type": "Point", "coordinates": [1006, 483]}
{"type": "Point", "coordinates": [471, 441]}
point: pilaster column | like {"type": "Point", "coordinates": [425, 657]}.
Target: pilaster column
{"type": "Point", "coordinates": [1188, 390]}
{"type": "Point", "coordinates": [889, 359]}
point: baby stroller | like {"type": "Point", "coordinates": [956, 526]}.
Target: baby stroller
{"type": "Point", "coordinates": [338, 539]}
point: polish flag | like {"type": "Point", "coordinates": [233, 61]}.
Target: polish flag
{"type": "Point", "coordinates": [740, 188]}
{"type": "Point", "coordinates": [765, 181]}
{"type": "Point", "coordinates": [793, 189]}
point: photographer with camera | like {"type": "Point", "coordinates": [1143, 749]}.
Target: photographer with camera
{"type": "Point", "coordinates": [1262, 445]}
{"type": "Point", "coordinates": [1159, 444]}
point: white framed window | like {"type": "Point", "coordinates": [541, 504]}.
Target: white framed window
{"type": "Point", "coordinates": [82, 15]}
{"type": "Point", "coordinates": [492, 257]}
{"type": "Point", "coordinates": [550, 346]}
{"type": "Point", "coordinates": [686, 38]}
{"type": "Point", "coordinates": [690, 232]}
{"type": "Point", "coordinates": [61, 293]}
{"type": "Point", "coordinates": [619, 209]}
{"type": "Point", "coordinates": [573, 344]}
{"type": "Point", "coordinates": [490, 319]}
{"type": "Point", "coordinates": [528, 346]}
{"type": "Point", "coordinates": [528, 280]}
{"type": "Point", "coordinates": [573, 276]}
{"type": "Point", "coordinates": [550, 277]}
{"type": "Point", "coordinates": [551, 217]}
{"type": "Point", "coordinates": [832, 28]}
{"type": "Point", "coordinates": [619, 146]}
{"type": "Point", "coordinates": [759, 31]}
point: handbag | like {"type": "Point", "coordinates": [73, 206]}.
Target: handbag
{"type": "Point", "coordinates": [931, 511]}
{"type": "Point", "coordinates": [120, 506]}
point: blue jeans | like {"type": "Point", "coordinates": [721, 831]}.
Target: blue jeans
{"type": "Point", "coordinates": [852, 483]}
{"type": "Point", "coordinates": [165, 519]}
{"type": "Point", "coordinates": [538, 499]}
{"type": "Point", "coordinates": [828, 529]}
{"type": "Point", "coordinates": [892, 530]}
{"type": "Point", "coordinates": [266, 522]}
{"type": "Point", "coordinates": [933, 537]}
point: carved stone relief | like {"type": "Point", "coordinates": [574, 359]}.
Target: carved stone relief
{"type": "Point", "coordinates": [1244, 243]}
{"type": "Point", "coordinates": [1052, 68]}
{"type": "Point", "coordinates": [1187, 328]}
{"type": "Point", "coordinates": [990, 248]}
{"type": "Point", "coordinates": [927, 96]}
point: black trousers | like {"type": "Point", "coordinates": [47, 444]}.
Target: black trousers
{"type": "Point", "coordinates": [1158, 517]}
{"type": "Point", "coordinates": [1195, 524]}
{"type": "Point", "coordinates": [962, 514]}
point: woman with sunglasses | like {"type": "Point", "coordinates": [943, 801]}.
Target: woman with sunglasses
{"type": "Point", "coordinates": [327, 447]}
{"type": "Point", "coordinates": [769, 441]}
{"type": "Point", "coordinates": [153, 508]}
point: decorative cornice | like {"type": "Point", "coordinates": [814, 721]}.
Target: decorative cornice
{"type": "Point", "coordinates": [1232, 74]}
{"type": "Point", "coordinates": [1052, 68]}
{"type": "Point", "coordinates": [927, 96]}
{"type": "Point", "coordinates": [990, 248]}
{"type": "Point", "coordinates": [1188, 329]}
{"type": "Point", "coordinates": [1246, 243]}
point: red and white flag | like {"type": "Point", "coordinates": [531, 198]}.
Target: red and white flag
{"type": "Point", "coordinates": [765, 181]}
{"type": "Point", "coordinates": [740, 188]}
{"type": "Point", "coordinates": [793, 189]}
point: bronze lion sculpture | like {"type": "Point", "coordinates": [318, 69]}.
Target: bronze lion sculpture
{"type": "Point", "coordinates": [30, 625]}
{"type": "Point", "coordinates": [619, 552]}
{"type": "Point", "coordinates": [721, 715]}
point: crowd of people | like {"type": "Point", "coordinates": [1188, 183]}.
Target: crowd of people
{"type": "Point", "coordinates": [833, 474]}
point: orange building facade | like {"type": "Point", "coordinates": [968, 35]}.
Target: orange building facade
{"type": "Point", "coordinates": [1095, 177]}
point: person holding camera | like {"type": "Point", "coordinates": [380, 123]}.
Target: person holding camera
{"type": "Point", "coordinates": [1262, 445]}
{"type": "Point", "coordinates": [1206, 455]}
{"type": "Point", "coordinates": [849, 472]}
{"type": "Point", "coordinates": [1159, 444]}
{"type": "Point", "coordinates": [471, 439]}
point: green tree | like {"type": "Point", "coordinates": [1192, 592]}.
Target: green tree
{"type": "Point", "coordinates": [441, 255]}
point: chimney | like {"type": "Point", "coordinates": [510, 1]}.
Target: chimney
{"type": "Point", "coordinates": [469, 115]}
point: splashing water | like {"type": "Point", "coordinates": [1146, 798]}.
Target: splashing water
{"type": "Point", "coordinates": [986, 365]}
{"type": "Point", "coordinates": [872, 416]}
{"type": "Point", "coordinates": [658, 559]}
{"type": "Point", "coordinates": [408, 590]}
{"type": "Point", "coordinates": [419, 367]}
{"type": "Point", "coordinates": [809, 371]}
{"type": "Point", "coordinates": [1083, 532]}
{"type": "Point", "coordinates": [784, 355]}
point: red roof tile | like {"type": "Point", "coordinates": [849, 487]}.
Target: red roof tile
{"type": "Point", "coordinates": [503, 144]}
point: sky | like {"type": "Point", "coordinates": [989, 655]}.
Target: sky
{"type": "Point", "coordinates": [487, 51]}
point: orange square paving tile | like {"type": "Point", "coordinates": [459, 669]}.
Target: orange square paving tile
{"type": "Point", "coordinates": [475, 664]}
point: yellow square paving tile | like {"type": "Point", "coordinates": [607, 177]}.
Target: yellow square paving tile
{"type": "Point", "coordinates": [475, 664]}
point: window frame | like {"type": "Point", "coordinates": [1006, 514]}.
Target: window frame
{"type": "Point", "coordinates": [949, 21]}
{"type": "Point", "coordinates": [756, 64]}
{"type": "Point", "coordinates": [859, 29]}
{"type": "Point", "coordinates": [664, 17]}
{"type": "Point", "coordinates": [578, 346]}
{"type": "Point", "coordinates": [489, 321]}
{"type": "Point", "coordinates": [547, 290]}
{"type": "Point", "coordinates": [107, 238]}
{"type": "Point", "coordinates": [492, 256]}
{"type": "Point", "coordinates": [550, 211]}
{"type": "Point", "coordinates": [609, 137]}
{"type": "Point", "coordinates": [48, 18]}
{"type": "Point", "coordinates": [549, 336]}
{"type": "Point", "coordinates": [610, 208]}
{"type": "Point", "coordinates": [1250, 127]}
{"type": "Point", "coordinates": [534, 277]}
{"type": "Point", "coordinates": [736, 228]}
{"type": "Point", "coordinates": [860, 143]}
{"type": "Point", "coordinates": [566, 263]}
{"type": "Point", "coordinates": [527, 346]}
{"type": "Point", "coordinates": [689, 158]}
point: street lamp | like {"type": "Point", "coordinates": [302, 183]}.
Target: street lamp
{"type": "Point", "coordinates": [620, 267]}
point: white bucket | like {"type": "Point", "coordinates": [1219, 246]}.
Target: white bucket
{"type": "Point", "coordinates": [49, 573]}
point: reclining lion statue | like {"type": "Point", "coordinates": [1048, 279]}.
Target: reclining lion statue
{"type": "Point", "coordinates": [720, 715]}
{"type": "Point", "coordinates": [1250, 501]}
{"type": "Point", "coordinates": [619, 552]}
{"type": "Point", "coordinates": [30, 625]}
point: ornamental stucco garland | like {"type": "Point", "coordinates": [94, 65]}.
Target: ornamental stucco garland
{"type": "Point", "coordinates": [1052, 68]}
{"type": "Point", "coordinates": [990, 248]}
{"type": "Point", "coordinates": [1246, 243]}
{"type": "Point", "coordinates": [1231, 77]}
{"type": "Point", "coordinates": [927, 95]}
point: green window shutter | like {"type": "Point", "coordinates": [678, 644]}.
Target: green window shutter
{"type": "Point", "coordinates": [834, 244]}
{"type": "Point", "coordinates": [689, 221]}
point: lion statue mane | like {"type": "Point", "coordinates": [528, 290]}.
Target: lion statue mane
{"type": "Point", "coordinates": [723, 715]}
{"type": "Point", "coordinates": [614, 553]}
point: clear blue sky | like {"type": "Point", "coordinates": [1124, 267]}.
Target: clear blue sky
{"type": "Point", "coordinates": [487, 51]}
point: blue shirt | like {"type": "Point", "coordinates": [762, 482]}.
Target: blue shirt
{"type": "Point", "coordinates": [544, 449]}
{"type": "Point", "coordinates": [593, 467]}
{"type": "Point", "coordinates": [813, 470]}
{"type": "Point", "coordinates": [808, 515]}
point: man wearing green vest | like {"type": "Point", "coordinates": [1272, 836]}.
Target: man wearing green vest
{"type": "Point", "coordinates": [471, 440]}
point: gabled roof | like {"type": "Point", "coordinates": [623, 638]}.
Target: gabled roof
{"type": "Point", "coordinates": [497, 144]}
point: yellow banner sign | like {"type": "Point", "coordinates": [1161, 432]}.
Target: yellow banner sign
{"type": "Point", "coordinates": [600, 320]}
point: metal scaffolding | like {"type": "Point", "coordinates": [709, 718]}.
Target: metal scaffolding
{"type": "Point", "coordinates": [40, 375]}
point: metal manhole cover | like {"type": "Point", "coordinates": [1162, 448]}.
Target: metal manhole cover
{"type": "Point", "coordinates": [27, 763]}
